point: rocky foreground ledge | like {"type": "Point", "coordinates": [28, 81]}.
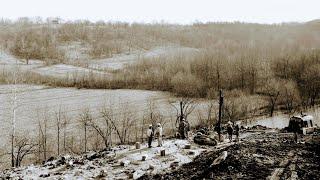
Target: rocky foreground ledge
{"type": "Point", "coordinates": [261, 154]}
{"type": "Point", "coordinates": [122, 162]}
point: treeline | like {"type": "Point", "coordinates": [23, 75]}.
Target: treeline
{"type": "Point", "coordinates": [41, 39]}
{"type": "Point", "coordinates": [288, 82]}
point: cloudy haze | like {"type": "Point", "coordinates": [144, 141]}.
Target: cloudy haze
{"type": "Point", "coordinates": [172, 11]}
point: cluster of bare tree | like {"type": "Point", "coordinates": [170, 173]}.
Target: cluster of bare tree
{"type": "Point", "coordinates": [39, 43]}
{"type": "Point", "coordinates": [91, 130]}
{"type": "Point", "coordinates": [105, 39]}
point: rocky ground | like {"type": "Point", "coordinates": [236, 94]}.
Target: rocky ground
{"type": "Point", "coordinates": [264, 155]}
{"type": "Point", "coordinates": [123, 162]}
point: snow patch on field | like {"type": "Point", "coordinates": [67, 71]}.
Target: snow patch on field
{"type": "Point", "coordinates": [120, 61]}
{"type": "Point", "coordinates": [69, 71]}
{"type": "Point", "coordinates": [8, 88]}
{"type": "Point", "coordinates": [75, 51]}
{"type": "Point", "coordinates": [9, 62]}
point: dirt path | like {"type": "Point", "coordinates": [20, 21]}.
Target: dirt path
{"type": "Point", "coordinates": [278, 172]}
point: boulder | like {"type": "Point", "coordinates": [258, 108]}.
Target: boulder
{"type": "Point", "coordinates": [220, 159]}
{"type": "Point", "coordinates": [203, 139]}
{"type": "Point", "coordinates": [124, 163]}
{"type": "Point", "coordinates": [174, 165]}
{"type": "Point", "coordinates": [144, 157]}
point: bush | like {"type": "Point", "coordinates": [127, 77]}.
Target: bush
{"type": "Point", "coordinates": [31, 44]}
{"type": "Point", "coordinates": [187, 85]}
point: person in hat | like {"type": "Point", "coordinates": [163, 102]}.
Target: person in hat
{"type": "Point", "coordinates": [150, 135]}
{"type": "Point", "coordinates": [159, 134]}
{"type": "Point", "coordinates": [184, 127]}
{"type": "Point", "coordinates": [230, 131]}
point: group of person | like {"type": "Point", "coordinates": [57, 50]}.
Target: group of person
{"type": "Point", "coordinates": [231, 129]}
{"type": "Point", "coordinates": [157, 132]}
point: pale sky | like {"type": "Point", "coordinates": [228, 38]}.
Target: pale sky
{"type": "Point", "coordinates": [171, 11]}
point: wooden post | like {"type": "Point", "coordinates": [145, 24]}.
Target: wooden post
{"type": "Point", "coordinates": [85, 137]}
{"type": "Point", "coordinates": [163, 152]}
{"type": "Point", "coordinates": [220, 114]}
{"type": "Point", "coordinates": [181, 111]}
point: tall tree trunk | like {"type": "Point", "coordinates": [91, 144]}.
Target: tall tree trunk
{"type": "Point", "coordinates": [85, 138]}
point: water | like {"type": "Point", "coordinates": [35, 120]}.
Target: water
{"type": "Point", "coordinates": [282, 120]}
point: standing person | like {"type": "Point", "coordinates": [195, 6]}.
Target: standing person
{"type": "Point", "coordinates": [183, 129]}
{"type": "Point", "coordinates": [150, 136]}
{"type": "Point", "coordinates": [237, 129]}
{"type": "Point", "coordinates": [230, 131]}
{"type": "Point", "coordinates": [159, 134]}
{"type": "Point", "coordinates": [295, 137]}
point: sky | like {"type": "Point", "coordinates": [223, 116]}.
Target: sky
{"type": "Point", "coordinates": [169, 11]}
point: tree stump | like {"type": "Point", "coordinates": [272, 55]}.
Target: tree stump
{"type": "Point", "coordinates": [144, 158]}
{"type": "Point", "coordinates": [187, 146]}
{"type": "Point", "coordinates": [138, 145]}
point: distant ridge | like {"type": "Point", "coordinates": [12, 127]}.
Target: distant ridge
{"type": "Point", "coordinates": [314, 22]}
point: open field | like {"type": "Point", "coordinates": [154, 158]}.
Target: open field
{"type": "Point", "coordinates": [68, 71]}
{"type": "Point", "coordinates": [36, 103]}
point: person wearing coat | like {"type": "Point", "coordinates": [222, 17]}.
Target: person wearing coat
{"type": "Point", "coordinates": [237, 131]}
{"type": "Point", "coordinates": [158, 133]}
{"type": "Point", "coordinates": [230, 131]}
{"type": "Point", "coordinates": [150, 135]}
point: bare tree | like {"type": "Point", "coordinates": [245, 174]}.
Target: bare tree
{"type": "Point", "coordinates": [105, 129]}
{"type": "Point", "coordinates": [271, 90]}
{"type": "Point", "coordinates": [128, 121]}
{"type": "Point", "coordinates": [153, 115]}
{"type": "Point", "coordinates": [14, 107]}
{"type": "Point", "coordinates": [43, 136]}
{"type": "Point", "coordinates": [58, 124]}
{"type": "Point", "coordinates": [65, 123]}
{"type": "Point", "coordinates": [122, 127]}
{"type": "Point", "coordinates": [311, 83]}
{"type": "Point", "coordinates": [290, 97]}
{"type": "Point", "coordinates": [185, 108]}
{"type": "Point", "coordinates": [210, 119]}
{"type": "Point", "coordinates": [23, 147]}
{"type": "Point", "coordinates": [110, 119]}
{"type": "Point", "coordinates": [85, 119]}
{"type": "Point", "coordinates": [14, 102]}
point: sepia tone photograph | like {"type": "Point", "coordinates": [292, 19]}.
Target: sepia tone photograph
{"type": "Point", "coordinates": [160, 89]}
